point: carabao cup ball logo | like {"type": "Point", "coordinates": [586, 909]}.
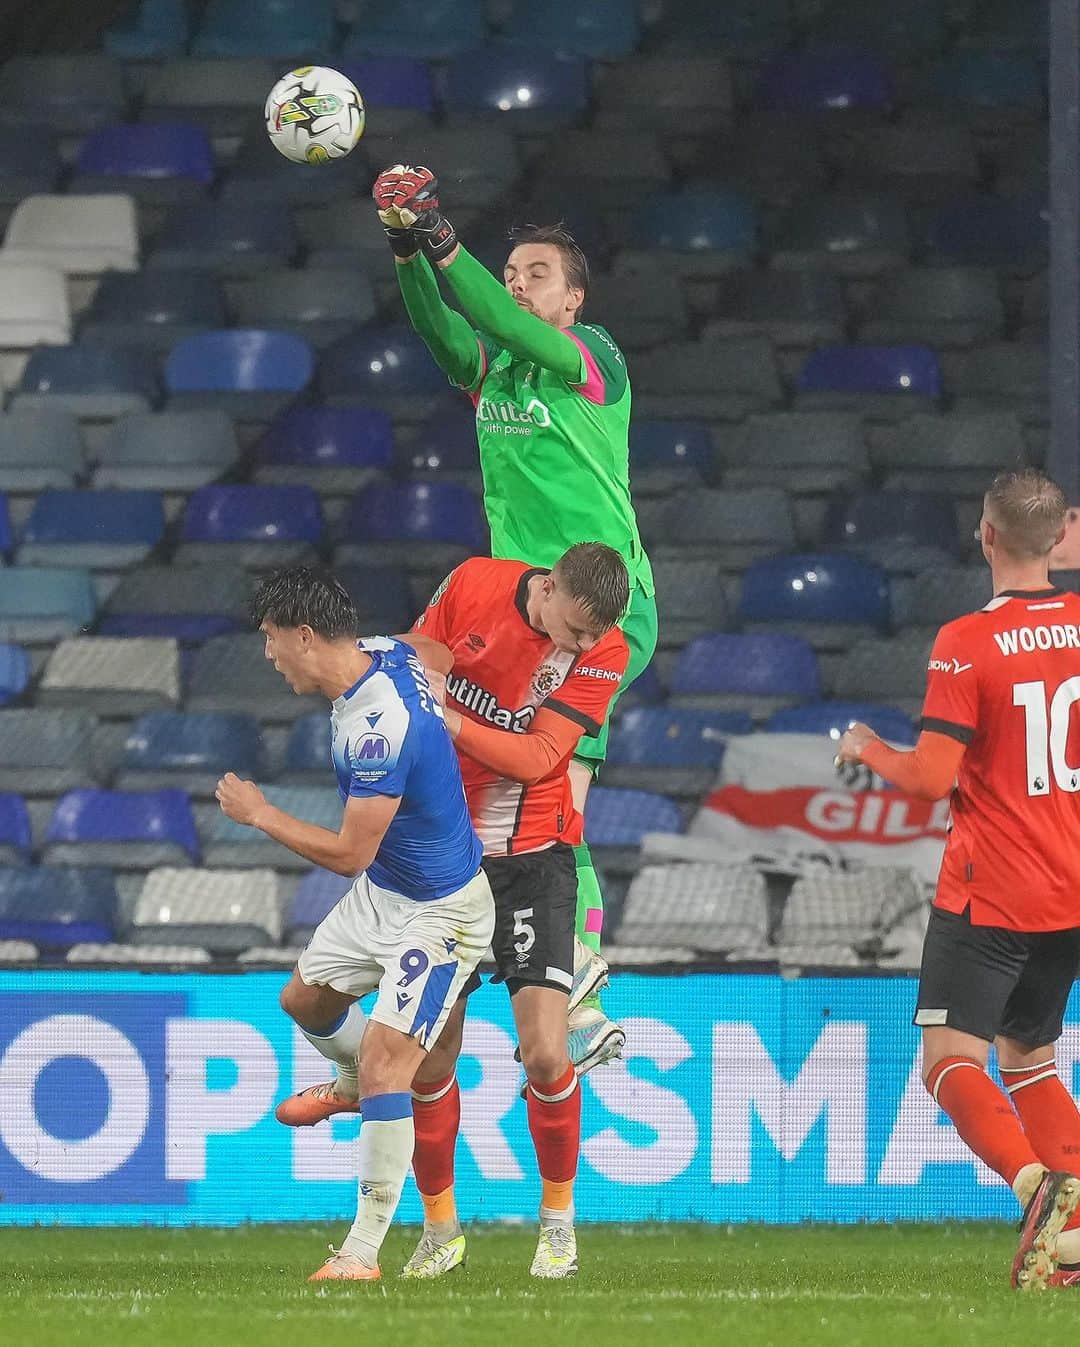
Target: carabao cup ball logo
{"type": "Point", "coordinates": [314, 115]}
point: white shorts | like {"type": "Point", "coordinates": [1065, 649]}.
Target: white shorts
{"type": "Point", "coordinates": [419, 955]}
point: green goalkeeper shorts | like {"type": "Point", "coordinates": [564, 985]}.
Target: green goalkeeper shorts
{"type": "Point", "coordinates": [639, 626]}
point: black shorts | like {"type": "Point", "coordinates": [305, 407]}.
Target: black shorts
{"type": "Point", "coordinates": [535, 919]}
{"type": "Point", "coordinates": [988, 980]}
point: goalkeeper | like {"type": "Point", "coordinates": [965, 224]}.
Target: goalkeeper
{"type": "Point", "coordinates": [552, 402]}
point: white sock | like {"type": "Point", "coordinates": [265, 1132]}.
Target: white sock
{"type": "Point", "coordinates": [384, 1153]}
{"type": "Point", "coordinates": [557, 1216]}
{"type": "Point", "coordinates": [341, 1045]}
{"type": "Point", "coordinates": [1026, 1181]}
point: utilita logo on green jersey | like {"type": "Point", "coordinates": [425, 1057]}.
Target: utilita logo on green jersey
{"type": "Point", "coordinates": [500, 414]}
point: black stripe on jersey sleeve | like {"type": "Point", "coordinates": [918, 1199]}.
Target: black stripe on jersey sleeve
{"type": "Point", "coordinates": [963, 734]}
{"type": "Point", "coordinates": [591, 728]}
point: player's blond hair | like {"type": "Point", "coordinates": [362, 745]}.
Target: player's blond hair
{"type": "Point", "coordinates": [1028, 510]}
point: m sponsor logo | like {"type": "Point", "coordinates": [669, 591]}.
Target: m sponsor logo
{"type": "Point", "coordinates": [372, 748]}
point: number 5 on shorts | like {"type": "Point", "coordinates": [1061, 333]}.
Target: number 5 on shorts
{"type": "Point", "coordinates": [526, 935]}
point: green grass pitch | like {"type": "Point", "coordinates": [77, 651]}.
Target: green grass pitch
{"type": "Point", "coordinates": [659, 1285]}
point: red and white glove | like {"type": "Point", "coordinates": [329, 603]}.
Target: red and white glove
{"type": "Point", "coordinates": [400, 237]}
{"type": "Point", "coordinates": [408, 198]}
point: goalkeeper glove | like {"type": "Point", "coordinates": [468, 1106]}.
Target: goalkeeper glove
{"type": "Point", "coordinates": [416, 201]}
{"type": "Point", "coordinates": [401, 239]}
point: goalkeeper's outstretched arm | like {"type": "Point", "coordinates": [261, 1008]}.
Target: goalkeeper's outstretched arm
{"type": "Point", "coordinates": [445, 333]}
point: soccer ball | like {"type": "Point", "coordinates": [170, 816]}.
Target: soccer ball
{"type": "Point", "coordinates": [314, 115]}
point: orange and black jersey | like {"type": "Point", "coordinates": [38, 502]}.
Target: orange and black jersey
{"type": "Point", "coordinates": [504, 672]}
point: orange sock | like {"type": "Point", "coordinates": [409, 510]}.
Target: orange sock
{"type": "Point", "coordinates": [555, 1126]}
{"type": "Point", "coordinates": [982, 1116]}
{"type": "Point", "coordinates": [436, 1117]}
{"type": "Point", "coordinates": [1049, 1116]}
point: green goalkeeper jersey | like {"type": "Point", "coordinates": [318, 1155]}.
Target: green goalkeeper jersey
{"type": "Point", "coordinates": [552, 417]}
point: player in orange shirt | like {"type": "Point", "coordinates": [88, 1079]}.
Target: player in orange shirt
{"type": "Point", "coordinates": [1001, 733]}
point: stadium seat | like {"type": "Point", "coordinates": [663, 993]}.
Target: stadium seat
{"type": "Point", "coordinates": [690, 599]}
{"type": "Point", "coordinates": [431, 30]}
{"type": "Point", "coordinates": [828, 598]}
{"type": "Point", "coordinates": [127, 830]}
{"type": "Point", "coordinates": [605, 30]}
{"type": "Point", "coordinates": [27, 168]}
{"type": "Point", "coordinates": [731, 528]}
{"type": "Point", "coordinates": [668, 455]}
{"type": "Point", "coordinates": [387, 368]}
{"type": "Point", "coordinates": [955, 454]}
{"type": "Point", "coordinates": [1000, 25]}
{"type": "Point", "coordinates": [349, 234]}
{"type": "Point", "coordinates": [903, 531]}
{"type": "Point", "coordinates": [14, 673]}
{"type": "Point", "coordinates": [1009, 233]}
{"type": "Point", "coordinates": [617, 820]}
{"type": "Point", "coordinates": [319, 892]}
{"type": "Point", "coordinates": [232, 674]}
{"type": "Point", "coordinates": [34, 309]}
{"type": "Point", "coordinates": [74, 234]}
{"type": "Point", "coordinates": [47, 752]}
{"type": "Point", "coordinates": [645, 310]}
{"type": "Point", "coordinates": [93, 954]}
{"type": "Point", "coordinates": [260, 176]}
{"type": "Point", "coordinates": [828, 906]}
{"type": "Point", "coordinates": [166, 451]}
{"type": "Point", "coordinates": [92, 382]}
{"type": "Point", "coordinates": [804, 452]}
{"type": "Point", "coordinates": [712, 380]}
{"type": "Point", "coordinates": [924, 167]}
{"type": "Point", "coordinates": [189, 751]}
{"type": "Point", "coordinates": [668, 751]}
{"type": "Point", "coordinates": [230, 240]}
{"type": "Point", "coordinates": [102, 530]}
{"type": "Point", "coordinates": [322, 306]}
{"type": "Point", "coordinates": [112, 677]}
{"type": "Point", "coordinates": [250, 373]}
{"type": "Point", "coordinates": [889, 669]}
{"type": "Point", "coordinates": [942, 306]}
{"type": "Point", "coordinates": [825, 78]}
{"type": "Point", "coordinates": [381, 597]}
{"type": "Point", "coordinates": [481, 161]}
{"type": "Point", "coordinates": [239, 847]}
{"type": "Point", "coordinates": [876, 381]}
{"type": "Point", "coordinates": [833, 718]}
{"type": "Point", "coordinates": [674, 96]}
{"type": "Point", "coordinates": [698, 231]}
{"type": "Point", "coordinates": [272, 28]}
{"type": "Point", "coordinates": [939, 595]}
{"type": "Point", "coordinates": [71, 94]}
{"type": "Point", "coordinates": [153, 308]}
{"type": "Point", "coordinates": [1002, 377]}
{"type": "Point", "coordinates": [55, 908]}
{"type": "Point", "coordinates": [990, 90]}
{"type": "Point", "coordinates": [905, 33]}
{"type": "Point", "coordinates": [151, 31]}
{"type": "Point", "coordinates": [612, 170]}
{"type": "Point", "coordinates": [855, 234]}
{"type": "Point", "coordinates": [646, 690]}
{"type": "Point", "coordinates": [307, 752]}
{"type": "Point", "coordinates": [15, 844]}
{"type": "Point", "coordinates": [749, 29]}
{"type": "Point", "coordinates": [253, 526]}
{"type": "Point", "coordinates": [414, 524]}
{"type": "Point", "coordinates": [38, 449]}
{"type": "Point", "coordinates": [336, 450]}
{"type": "Point", "coordinates": [219, 95]}
{"type": "Point", "coordinates": [709, 908]}
{"type": "Point", "coordinates": [791, 308]}
{"type": "Point", "coordinates": [444, 446]}
{"type": "Point", "coordinates": [523, 88]}
{"type": "Point", "coordinates": [190, 603]}
{"type": "Point", "coordinates": [214, 910]}
{"type": "Point", "coordinates": [18, 953]}
{"type": "Point", "coordinates": [159, 163]}
{"type": "Point", "coordinates": [40, 606]}
{"type": "Point", "coordinates": [399, 86]}
{"type": "Point", "coordinates": [774, 158]}
{"type": "Point", "coordinates": [756, 673]}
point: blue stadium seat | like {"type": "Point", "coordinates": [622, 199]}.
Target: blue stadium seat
{"type": "Point", "coordinates": [56, 908]}
{"type": "Point", "coordinates": [233, 240]}
{"type": "Point", "coordinates": [73, 93]}
{"type": "Point", "coordinates": [318, 894]}
{"type": "Point", "coordinates": [91, 382]}
{"type": "Point", "coordinates": [670, 751]}
{"type": "Point", "coordinates": [992, 231]}
{"type": "Point", "coordinates": [103, 530]}
{"type": "Point", "coordinates": [399, 86]}
{"type": "Point", "coordinates": [433, 30]}
{"type": "Point", "coordinates": [152, 31]}
{"type": "Point", "coordinates": [833, 718]}
{"type": "Point", "coordinates": [254, 526]}
{"type": "Point", "coordinates": [830, 599]}
{"type": "Point", "coordinates": [904, 531]}
{"type": "Point", "coordinates": [884, 380]}
{"type": "Point", "coordinates": [14, 670]}
{"type": "Point", "coordinates": [645, 690]}
{"type": "Point", "coordinates": [334, 449]}
{"type": "Point", "coordinates": [828, 77]}
{"type": "Point", "coordinates": [251, 373]}
{"type": "Point", "coordinates": [526, 87]}
{"type": "Point", "coordinates": [189, 629]}
{"type": "Point", "coordinates": [698, 220]}
{"type": "Point", "coordinates": [603, 30]}
{"type": "Point", "coordinates": [445, 445]}
{"type": "Point", "coordinates": [307, 753]}
{"type": "Point", "coordinates": [15, 841]}
{"type": "Point", "coordinates": [156, 162]}
{"type": "Point", "coordinates": [438, 512]}
{"type": "Point", "coordinates": [756, 672]}
{"type": "Point", "coordinates": [45, 605]}
{"type": "Point", "coordinates": [620, 818]}
{"type": "Point", "coordinates": [389, 368]}
{"type": "Point", "coordinates": [6, 537]}
{"type": "Point", "coordinates": [125, 829]}
{"type": "Point", "coordinates": [277, 28]}
{"type": "Point", "coordinates": [153, 308]}
{"type": "Point", "coordinates": [668, 455]}
{"type": "Point", "coordinates": [190, 751]}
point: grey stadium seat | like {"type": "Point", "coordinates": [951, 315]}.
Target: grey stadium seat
{"type": "Point", "coordinates": [955, 453]}
{"type": "Point", "coordinates": [160, 590]}
{"type": "Point", "coordinates": [890, 670]}
{"type": "Point", "coordinates": [77, 235]}
{"type": "Point", "coordinates": [112, 676]}
{"type": "Point", "coordinates": [701, 906]}
{"type": "Point", "coordinates": [675, 96]}
{"type": "Point", "coordinates": [645, 310]}
{"type": "Point", "coordinates": [624, 165]}
{"type": "Point", "coordinates": [923, 165]}
{"type": "Point", "coordinates": [166, 451]}
{"type": "Point", "coordinates": [803, 452]}
{"type": "Point", "coordinates": [690, 599]}
{"type": "Point", "coordinates": [15, 952]}
{"type": "Point", "coordinates": [940, 595]}
{"type": "Point", "coordinates": [216, 910]}
{"type": "Point", "coordinates": [941, 306]}
{"type": "Point", "coordinates": [731, 528]}
{"type": "Point", "coordinates": [774, 157]}
{"type": "Point", "coordinates": [854, 234]}
{"type": "Point", "coordinates": [1001, 377]}
{"type": "Point", "coordinates": [38, 450]}
{"type": "Point", "coordinates": [144, 956]}
{"type": "Point", "coordinates": [830, 906]}
{"type": "Point", "coordinates": [231, 673]}
{"type": "Point", "coordinates": [47, 752]}
{"type": "Point", "coordinates": [319, 304]}
{"type": "Point", "coordinates": [791, 308]}
{"type": "Point", "coordinates": [219, 95]}
{"type": "Point", "coordinates": [234, 845]}
{"type": "Point", "coordinates": [711, 380]}
{"type": "Point", "coordinates": [475, 162]}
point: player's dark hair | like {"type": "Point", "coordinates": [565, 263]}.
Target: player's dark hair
{"type": "Point", "coordinates": [306, 596]}
{"type": "Point", "coordinates": [596, 576]}
{"type": "Point", "coordinates": [1029, 510]}
{"type": "Point", "coordinates": [575, 263]}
